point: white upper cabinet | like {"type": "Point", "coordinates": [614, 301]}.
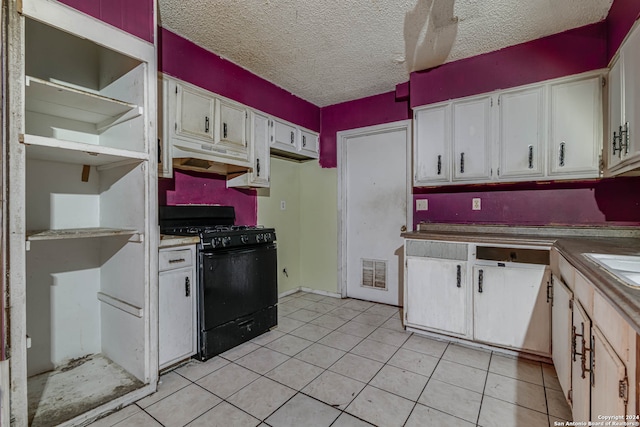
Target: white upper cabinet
{"type": "Point", "coordinates": [292, 141]}
{"type": "Point", "coordinates": [432, 133]}
{"type": "Point", "coordinates": [309, 143]}
{"type": "Point", "coordinates": [575, 128]}
{"type": "Point", "coordinates": [623, 143]}
{"type": "Point", "coordinates": [231, 125]}
{"type": "Point", "coordinates": [198, 124]}
{"type": "Point", "coordinates": [195, 114]}
{"type": "Point", "coordinates": [521, 133]}
{"type": "Point", "coordinates": [259, 175]}
{"type": "Point", "coordinates": [548, 130]}
{"type": "Point", "coordinates": [614, 152]}
{"type": "Point", "coordinates": [285, 136]}
{"type": "Point", "coordinates": [472, 139]}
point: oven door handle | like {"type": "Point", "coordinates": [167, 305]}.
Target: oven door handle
{"type": "Point", "coordinates": [241, 250]}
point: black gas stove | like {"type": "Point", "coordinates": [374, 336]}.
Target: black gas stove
{"type": "Point", "coordinates": [214, 225]}
{"type": "Point", "coordinates": [237, 274]}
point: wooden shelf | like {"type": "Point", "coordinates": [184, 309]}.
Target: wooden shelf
{"type": "Point", "coordinates": [58, 100]}
{"type": "Point", "coordinates": [80, 233]}
{"type": "Point", "coordinates": [57, 150]}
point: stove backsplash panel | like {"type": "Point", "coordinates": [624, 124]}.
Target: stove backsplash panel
{"type": "Point", "coordinates": [187, 188]}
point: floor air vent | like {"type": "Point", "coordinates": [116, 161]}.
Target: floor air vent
{"type": "Point", "coordinates": [374, 274]}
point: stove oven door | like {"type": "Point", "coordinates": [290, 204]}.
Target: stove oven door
{"type": "Point", "coordinates": [238, 295]}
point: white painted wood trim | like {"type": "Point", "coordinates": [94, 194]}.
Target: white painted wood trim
{"type": "Point", "coordinates": [342, 138]}
{"type": "Point", "coordinates": [320, 292]}
{"type": "Point", "coordinates": [72, 21]}
{"type": "Point", "coordinates": [5, 414]}
{"type": "Point", "coordinates": [121, 305]}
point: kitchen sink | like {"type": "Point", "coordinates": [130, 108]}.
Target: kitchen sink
{"type": "Point", "coordinates": [624, 267]}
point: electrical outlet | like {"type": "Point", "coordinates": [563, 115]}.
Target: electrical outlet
{"type": "Point", "coordinates": [283, 205]}
{"type": "Point", "coordinates": [475, 204]}
{"type": "Point", "coordinates": [422, 205]}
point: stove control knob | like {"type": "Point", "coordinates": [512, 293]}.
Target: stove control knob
{"type": "Point", "coordinates": [226, 240]}
{"type": "Point", "coordinates": [215, 242]}
{"type": "Point", "coordinates": [244, 239]}
{"type": "Point", "coordinates": [267, 237]}
{"type": "Point", "coordinates": [258, 238]}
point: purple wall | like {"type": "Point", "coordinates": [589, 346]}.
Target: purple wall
{"type": "Point", "coordinates": [133, 16]}
{"type": "Point", "coordinates": [185, 60]}
{"type": "Point", "coordinates": [187, 188]}
{"type": "Point", "coordinates": [571, 52]}
{"type": "Point", "coordinates": [373, 110]}
{"type": "Point", "coordinates": [597, 202]}
{"type": "Point", "coordinates": [622, 15]}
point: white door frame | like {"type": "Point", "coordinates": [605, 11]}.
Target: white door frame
{"type": "Point", "coordinates": [342, 138]}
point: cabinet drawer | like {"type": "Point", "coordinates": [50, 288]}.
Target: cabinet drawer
{"type": "Point", "coordinates": [176, 258]}
{"type": "Point", "coordinates": [440, 250]}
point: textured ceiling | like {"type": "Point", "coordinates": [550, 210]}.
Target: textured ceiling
{"type": "Point", "coordinates": [330, 51]}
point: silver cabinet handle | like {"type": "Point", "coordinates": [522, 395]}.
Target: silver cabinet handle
{"type": "Point", "coordinates": [206, 124]}
{"type": "Point", "coordinates": [304, 141]}
{"type": "Point", "coordinates": [292, 137]}
{"type": "Point", "coordinates": [172, 261]}
{"type": "Point", "coordinates": [187, 287]}
{"type": "Point", "coordinates": [458, 276]}
{"type": "Point", "coordinates": [258, 167]}
{"type": "Point", "coordinates": [439, 164]}
{"type": "Point", "coordinates": [224, 130]}
{"type": "Point", "coordinates": [480, 280]}
{"type": "Point", "coordinates": [530, 156]}
{"type": "Point", "coordinates": [562, 154]}
{"type": "Point", "coordinates": [461, 162]}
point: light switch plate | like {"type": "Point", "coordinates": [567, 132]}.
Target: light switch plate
{"type": "Point", "coordinates": [422, 205]}
{"type": "Point", "coordinates": [475, 204]}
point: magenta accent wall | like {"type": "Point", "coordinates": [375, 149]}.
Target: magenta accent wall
{"type": "Point", "coordinates": [192, 188]}
{"type": "Point", "coordinates": [622, 15]}
{"type": "Point", "coordinates": [614, 201]}
{"type": "Point", "coordinates": [373, 110]}
{"type": "Point", "coordinates": [187, 61]}
{"type": "Point", "coordinates": [132, 16]}
{"type": "Point", "coordinates": [571, 52]}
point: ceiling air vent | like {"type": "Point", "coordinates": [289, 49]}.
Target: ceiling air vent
{"type": "Point", "coordinates": [374, 274]}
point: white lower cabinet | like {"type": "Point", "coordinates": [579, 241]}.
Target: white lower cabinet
{"type": "Point", "coordinates": [437, 289]}
{"type": "Point", "coordinates": [562, 351]}
{"type": "Point", "coordinates": [593, 350]}
{"type": "Point", "coordinates": [177, 305]}
{"type": "Point", "coordinates": [581, 363]}
{"type": "Point", "coordinates": [511, 308]}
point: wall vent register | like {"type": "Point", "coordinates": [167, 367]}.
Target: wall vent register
{"type": "Point", "coordinates": [374, 274]}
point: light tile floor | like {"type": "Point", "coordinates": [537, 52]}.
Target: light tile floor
{"type": "Point", "coordinates": [343, 363]}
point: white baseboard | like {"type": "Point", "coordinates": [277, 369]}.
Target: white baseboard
{"type": "Point", "coordinates": [5, 385]}
{"type": "Point", "coordinates": [309, 290]}
{"type": "Point", "coordinates": [319, 292]}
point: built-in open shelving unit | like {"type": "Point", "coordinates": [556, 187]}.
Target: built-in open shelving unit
{"type": "Point", "coordinates": [83, 199]}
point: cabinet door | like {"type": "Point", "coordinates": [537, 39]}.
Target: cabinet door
{"type": "Point", "coordinates": [510, 307]}
{"type": "Point", "coordinates": [436, 295]}
{"type": "Point", "coordinates": [285, 136]}
{"type": "Point", "coordinates": [576, 128]}
{"type": "Point", "coordinates": [260, 176]}
{"type": "Point", "coordinates": [472, 139]}
{"type": "Point", "coordinates": [432, 139]}
{"type": "Point", "coordinates": [232, 127]}
{"type": "Point", "coordinates": [610, 384]}
{"type": "Point", "coordinates": [581, 378]}
{"type": "Point", "coordinates": [631, 90]}
{"type": "Point", "coordinates": [195, 114]}
{"type": "Point", "coordinates": [175, 315]}
{"type": "Point", "coordinates": [521, 133]}
{"type": "Point", "coordinates": [615, 113]}
{"type": "Point", "coordinates": [561, 323]}
{"type": "Point", "coordinates": [309, 144]}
